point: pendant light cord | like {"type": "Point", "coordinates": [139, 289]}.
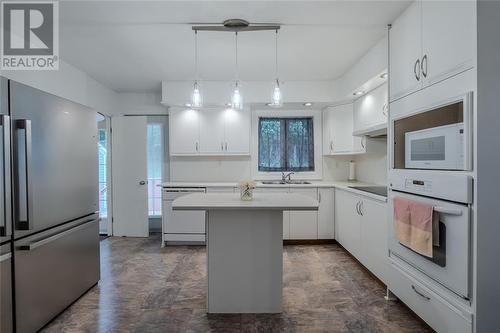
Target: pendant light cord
{"type": "Point", "coordinates": [236, 57]}
{"type": "Point", "coordinates": [196, 55]}
{"type": "Point", "coordinates": [276, 54]}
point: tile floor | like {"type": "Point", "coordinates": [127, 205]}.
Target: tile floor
{"type": "Point", "coordinates": [145, 288]}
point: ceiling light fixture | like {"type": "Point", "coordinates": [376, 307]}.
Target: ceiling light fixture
{"type": "Point", "coordinates": [308, 104]}
{"type": "Point", "coordinates": [196, 95]}
{"type": "Point", "coordinates": [384, 76]}
{"type": "Point", "coordinates": [277, 98]}
{"type": "Point", "coordinates": [236, 99]}
{"type": "Point", "coordinates": [359, 92]}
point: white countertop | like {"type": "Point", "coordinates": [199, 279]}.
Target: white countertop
{"type": "Point", "coordinates": [232, 201]}
{"type": "Point", "coordinates": [314, 183]}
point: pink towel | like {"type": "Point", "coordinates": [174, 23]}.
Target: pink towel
{"type": "Point", "coordinates": [415, 225]}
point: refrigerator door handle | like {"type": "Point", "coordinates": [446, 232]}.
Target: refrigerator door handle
{"type": "Point", "coordinates": [5, 190]}
{"type": "Point", "coordinates": [47, 240]}
{"type": "Point", "coordinates": [23, 189]}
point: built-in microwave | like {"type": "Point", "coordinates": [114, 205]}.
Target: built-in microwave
{"type": "Point", "coordinates": [434, 137]}
{"type": "Point", "coordinates": [438, 148]}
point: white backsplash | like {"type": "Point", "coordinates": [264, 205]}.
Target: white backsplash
{"type": "Point", "coordinates": [210, 169]}
{"type": "Point", "coordinates": [372, 166]}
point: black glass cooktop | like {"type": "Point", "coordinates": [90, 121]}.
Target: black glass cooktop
{"type": "Point", "coordinates": [378, 190]}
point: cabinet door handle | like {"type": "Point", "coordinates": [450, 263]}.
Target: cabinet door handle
{"type": "Point", "coordinates": [424, 67]}
{"type": "Point", "coordinates": [357, 207]}
{"type": "Point", "coordinates": [319, 196]}
{"type": "Point", "coordinates": [415, 67]}
{"type": "Point", "coordinates": [384, 110]}
{"type": "Point", "coordinates": [221, 146]}
{"type": "Point", "coordinates": [363, 142]}
{"type": "Point", "coordinates": [331, 145]}
{"type": "Point", "coordinates": [196, 145]}
{"type": "Point", "coordinates": [226, 146]}
{"type": "Point", "coordinates": [361, 208]}
{"type": "Point", "coordinates": [420, 294]}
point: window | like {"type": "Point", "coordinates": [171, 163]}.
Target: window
{"type": "Point", "coordinates": [155, 165]}
{"type": "Point", "coordinates": [286, 144]}
{"type": "Point", "coordinates": [103, 184]}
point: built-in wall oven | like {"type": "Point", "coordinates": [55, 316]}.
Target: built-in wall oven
{"type": "Point", "coordinates": [450, 194]}
{"type": "Point", "coordinates": [435, 137]}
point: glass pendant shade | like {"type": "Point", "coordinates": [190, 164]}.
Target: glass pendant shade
{"type": "Point", "coordinates": [277, 98]}
{"type": "Point", "coordinates": [196, 96]}
{"type": "Point", "coordinates": [236, 100]}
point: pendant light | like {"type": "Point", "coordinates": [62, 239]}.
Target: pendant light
{"type": "Point", "coordinates": [236, 100]}
{"type": "Point", "coordinates": [196, 101]}
{"type": "Point", "coordinates": [277, 99]}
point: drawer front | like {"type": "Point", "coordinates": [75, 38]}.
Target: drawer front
{"type": "Point", "coordinates": [433, 309]}
{"type": "Point", "coordinates": [51, 275]}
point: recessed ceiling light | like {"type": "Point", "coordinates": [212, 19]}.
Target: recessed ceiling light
{"type": "Point", "coordinates": [308, 104]}
{"type": "Point", "coordinates": [384, 76]}
{"type": "Point", "coordinates": [188, 105]}
{"type": "Point", "coordinates": [359, 92]}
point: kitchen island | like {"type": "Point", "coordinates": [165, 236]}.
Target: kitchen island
{"type": "Point", "coordinates": [245, 248]}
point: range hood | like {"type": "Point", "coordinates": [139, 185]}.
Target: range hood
{"type": "Point", "coordinates": [375, 131]}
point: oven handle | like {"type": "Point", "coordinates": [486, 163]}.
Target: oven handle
{"type": "Point", "coordinates": [448, 211]}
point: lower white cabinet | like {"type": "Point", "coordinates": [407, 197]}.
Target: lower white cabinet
{"type": "Point", "coordinates": [361, 228]}
{"type": "Point", "coordinates": [326, 223]}
{"type": "Point", "coordinates": [347, 221]}
{"type": "Point", "coordinates": [304, 224]}
{"type": "Point", "coordinates": [374, 253]}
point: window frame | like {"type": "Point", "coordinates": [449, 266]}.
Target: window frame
{"type": "Point", "coordinates": [285, 149]}
{"type": "Point", "coordinates": [316, 114]}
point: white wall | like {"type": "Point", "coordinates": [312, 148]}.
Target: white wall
{"type": "Point", "coordinates": [70, 83]}
{"type": "Point", "coordinates": [140, 104]}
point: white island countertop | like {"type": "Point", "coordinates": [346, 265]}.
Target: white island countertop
{"type": "Point", "coordinates": [232, 201]}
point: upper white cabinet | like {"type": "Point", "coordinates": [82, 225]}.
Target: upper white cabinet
{"type": "Point", "coordinates": [448, 38]}
{"type": "Point", "coordinates": [370, 112]}
{"type": "Point", "coordinates": [184, 132]}
{"type": "Point", "coordinates": [405, 51]}
{"type": "Point", "coordinates": [209, 132]}
{"type": "Point", "coordinates": [429, 42]}
{"type": "Point", "coordinates": [337, 132]}
{"type": "Point", "coordinates": [237, 132]}
{"type": "Point", "coordinates": [212, 124]}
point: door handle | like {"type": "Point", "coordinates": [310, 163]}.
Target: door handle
{"type": "Point", "coordinates": [22, 172]}
{"type": "Point", "coordinates": [420, 294]}
{"type": "Point", "coordinates": [5, 189]}
{"type": "Point", "coordinates": [142, 182]}
{"type": "Point", "coordinates": [47, 240]}
{"type": "Point", "coordinates": [424, 68]}
{"type": "Point", "coordinates": [448, 211]}
{"type": "Point", "coordinates": [415, 67]}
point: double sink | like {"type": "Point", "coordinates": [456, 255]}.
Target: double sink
{"type": "Point", "coordinates": [289, 182]}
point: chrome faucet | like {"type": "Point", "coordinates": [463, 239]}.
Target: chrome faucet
{"type": "Point", "coordinates": [284, 177]}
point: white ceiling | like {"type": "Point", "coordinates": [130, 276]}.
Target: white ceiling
{"type": "Point", "coordinates": [134, 45]}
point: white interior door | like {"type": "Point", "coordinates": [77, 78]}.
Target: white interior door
{"type": "Point", "coordinates": [130, 190]}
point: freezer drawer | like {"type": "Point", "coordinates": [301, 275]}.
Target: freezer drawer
{"type": "Point", "coordinates": [52, 270]}
{"type": "Point", "coordinates": [5, 290]}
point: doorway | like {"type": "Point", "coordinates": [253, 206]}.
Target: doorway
{"type": "Point", "coordinates": [140, 165]}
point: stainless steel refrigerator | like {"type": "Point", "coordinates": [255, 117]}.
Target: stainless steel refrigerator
{"type": "Point", "coordinates": [50, 193]}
